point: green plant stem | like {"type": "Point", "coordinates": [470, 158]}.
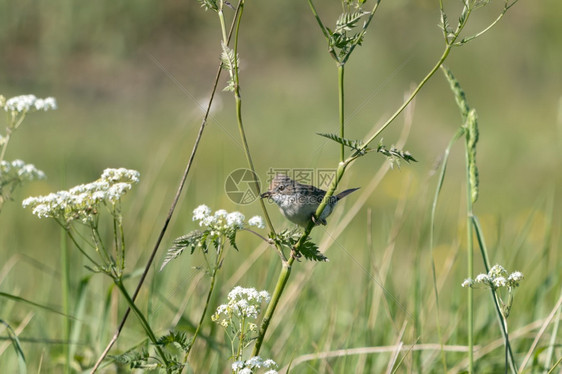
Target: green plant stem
{"type": "Point", "coordinates": [499, 314]}
{"type": "Point", "coordinates": [239, 120]}
{"type": "Point", "coordinates": [449, 43]}
{"type": "Point", "coordinates": [168, 218]}
{"type": "Point", "coordinates": [470, 271]}
{"type": "Point", "coordinates": [203, 314]}
{"type": "Point", "coordinates": [460, 132]}
{"type": "Point", "coordinates": [279, 287]}
{"type": "Point", "coordinates": [144, 323]}
{"type": "Point", "coordinates": [71, 236]}
{"type": "Point", "coordinates": [286, 269]}
{"type": "Point", "coordinates": [215, 268]}
{"type": "Point", "coordinates": [65, 288]}
{"type": "Point", "coordinates": [341, 101]}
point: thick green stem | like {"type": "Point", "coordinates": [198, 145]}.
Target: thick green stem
{"type": "Point", "coordinates": [279, 287]}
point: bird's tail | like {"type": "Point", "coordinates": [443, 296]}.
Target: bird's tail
{"type": "Point", "coordinates": [343, 194]}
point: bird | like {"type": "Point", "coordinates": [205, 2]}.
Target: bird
{"type": "Point", "coordinates": [298, 202]}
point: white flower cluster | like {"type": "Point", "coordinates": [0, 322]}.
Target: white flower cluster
{"type": "Point", "coordinates": [253, 363]}
{"type": "Point", "coordinates": [222, 221]}
{"type": "Point", "coordinates": [256, 221]}
{"type": "Point", "coordinates": [81, 202]}
{"type": "Point", "coordinates": [24, 103]}
{"type": "Point", "coordinates": [497, 277]}
{"type": "Point", "coordinates": [242, 303]}
{"type": "Point", "coordinates": [19, 171]}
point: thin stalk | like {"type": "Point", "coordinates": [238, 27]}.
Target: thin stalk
{"type": "Point", "coordinates": [67, 230]}
{"type": "Point", "coordinates": [552, 342]}
{"type": "Point", "coordinates": [240, 122]}
{"type": "Point", "coordinates": [365, 26]}
{"type": "Point", "coordinates": [442, 59]}
{"type": "Point", "coordinates": [458, 134]}
{"type": "Point", "coordinates": [204, 313]}
{"type": "Point", "coordinates": [470, 266]}
{"type": "Point", "coordinates": [448, 46]}
{"type": "Point", "coordinates": [144, 323]}
{"type": "Point", "coordinates": [505, 9]}
{"type": "Point", "coordinates": [214, 270]}
{"type": "Point", "coordinates": [11, 128]}
{"type": "Point", "coordinates": [168, 217]}
{"type": "Point", "coordinates": [286, 270]}
{"type": "Point", "coordinates": [499, 314]}
{"type": "Point", "coordinates": [65, 286]}
{"type": "Point", "coordinates": [341, 71]}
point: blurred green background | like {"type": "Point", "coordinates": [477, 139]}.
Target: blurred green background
{"type": "Point", "coordinates": [131, 80]}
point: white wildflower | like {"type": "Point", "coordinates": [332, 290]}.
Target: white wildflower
{"type": "Point", "coordinates": [201, 212]}
{"type": "Point", "coordinates": [516, 276]}
{"type": "Point", "coordinates": [242, 303]}
{"type": "Point", "coordinates": [482, 278]}
{"type": "Point", "coordinates": [467, 283]}
{"type": "Point", "coordinates": [235, 220]}
{"type": "Point", "coordinates": [120, 175]}
{"type": "Point", "coordinates": [499, 282]}
{"type": "Point", "coordinates": [46, 104]}
{"type": "Point", "coordinates": [208, 221]}
{"type": "Point", "coordinates": [254, 362]}
{"type": "Point", "coordinates": [497, 271]}
{"type": "Point", "coordinates": [237, 365]}
{"type": "Point", "coordinates": [24, 103]}
{"type": "Point", "coordinates": [245, 371]}
{"type": "Point", "coordinates": [256, 221]}
{"type": "Point", "coordinates": [221, 213]}
{"type": "Point", "coordinates": [81, 202]}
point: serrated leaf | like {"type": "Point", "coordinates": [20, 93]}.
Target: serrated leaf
{"type": "Point", "coordinates": [348, 20]}
{"type": "Point", "coordinates": [232, 239]}
{"type": "Point", "coordinates": [228, 59]}
{"type": "Point", "coordinates": [310, 251]}
{"type": "Point", "coordinates": [289, 239]}
{"type": "Point", "coordinates": [175, 337]}
{"type": "Point", "coordinates": [191, 241]}
{"type": "Point", "coordinates": [353, 144]}
{"type": "Point", "coordinates": [209, 4]}
{"type": "Point", "coordinates": [395, 155]}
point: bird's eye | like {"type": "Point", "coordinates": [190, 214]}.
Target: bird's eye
{"type": "Point", "coordinates": [281, 187]}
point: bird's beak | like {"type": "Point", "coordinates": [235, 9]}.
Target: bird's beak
{"type": "Point", "coordinates": [265, 194]}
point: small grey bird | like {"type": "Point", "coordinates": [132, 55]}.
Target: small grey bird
{"type": "Point", "coordinates": [298, 202]}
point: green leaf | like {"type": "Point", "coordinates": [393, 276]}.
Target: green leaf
{"type": "Point", "coordinates": [175, 337]}
{"type": "Point", "coordinates": [209, 4]}
{"type": "Point", "coordinates": [353, 144]}
{"type": "Point", "coordinates": [191, 241]}
{"type": "Point", "coordinates": [348, 20]}
{"type": "Point", "coordinates": [395, 155]}
{"type": "Point", "coordinates": [25, 301]}
{"type": "Point", "coordinates": [289, 239]}
{"type": "Point", "coordinates": [232, 239]}
{"type": "Point", "coordinates": [310, 251]}
{"type": "Point", "coordinates": [17, 347]}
